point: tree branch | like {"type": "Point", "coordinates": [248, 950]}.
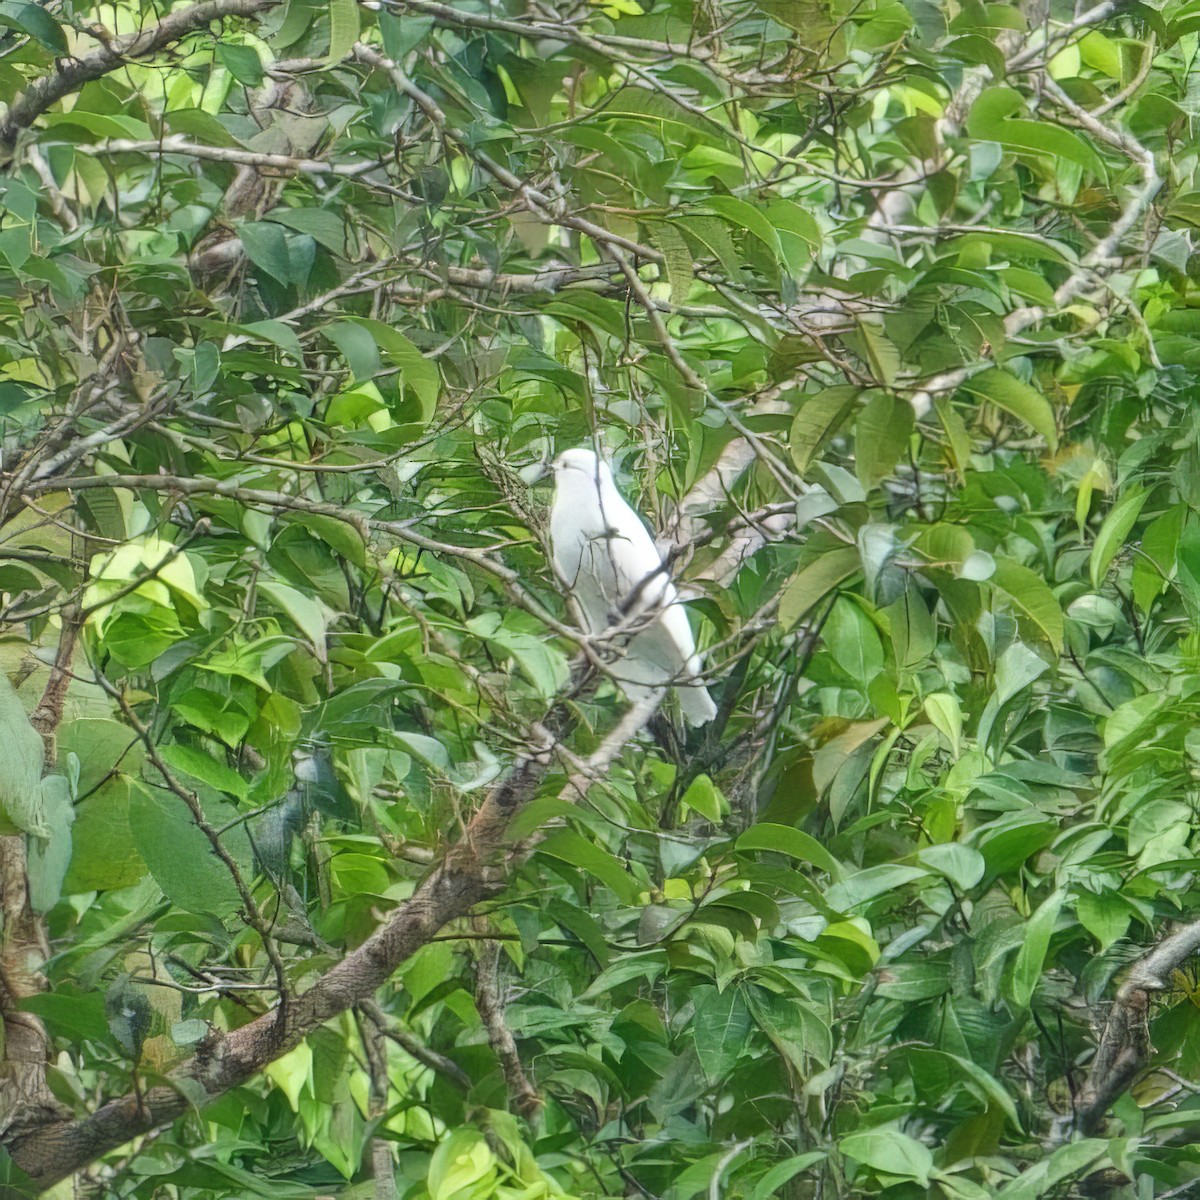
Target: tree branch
{"type": "Point", "coordinates": [1125, 1042]}
{"type": "Point", "coordinates": [470, 871]}
{"type": "Point", "coordinates": [231, 154]}
{"type": "Point", "coordinates": [25, 1100]}
{"type": "Point", "coordinates": [72, 73]}
{"type": "Point", "coordinates": [550, 210]}
{"type": "Point", "coordinates": [488, 1000]}
{"type": "Point", "coordinates": [250, 908]}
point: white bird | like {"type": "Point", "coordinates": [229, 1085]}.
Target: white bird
{"type": "Point", "coordinates": [603, 552]}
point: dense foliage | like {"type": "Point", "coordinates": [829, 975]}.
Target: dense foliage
{"type": "Point", "coordinates": [885, 314]}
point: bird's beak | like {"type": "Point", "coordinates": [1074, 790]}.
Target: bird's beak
{"type": "Point", "coordinates": [535, 473]}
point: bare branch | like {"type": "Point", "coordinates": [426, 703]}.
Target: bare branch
{"type": "Point", "coordinates": [490, 1003]}
{"type": "Point", "coordinates": [231, 154]}
{"type": "Point", "coordinates": [415, 1048]}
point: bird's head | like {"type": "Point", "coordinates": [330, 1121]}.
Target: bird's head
{"type": "Point", "coordinates": [571, 466]}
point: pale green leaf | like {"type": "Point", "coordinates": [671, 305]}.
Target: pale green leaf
{"type": "Point", "coordinates": [1029, 594]}
{"type": "Point", "coordinates": [1018, 398]}
{"type": "Point", "coordinates": [890, 1151]}
{"type": "Point", "coordinates": [1113, 532]}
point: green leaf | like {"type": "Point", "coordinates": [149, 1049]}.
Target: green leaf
{"type": "Point", "coordinates": [818, 419]}
{"type": "Point", "coordinates": [1030, 596]}
{"type": "Point", "coordinates": [1155, 565]}
{"type": "Point", "coordinates": [991, 117]}
{"type": "Point", "coordinates": [883, 27]}
{"type": "Point", "coordinates": [853, 641]}
{"type": "Point", "coordinates": [939, 1069]}
{"type": "Point", "coordinates": [1011, 840]}
{"type": "Point", "coordinates": [962, 865]}
{"type": "Point", "coordinates": [357, 346]}
{"type": "Point", "coordinates": [783, 1172]}
{"type": "Point", "coordinates": [790, 218]}
{"type": "Point", "coordinates": [337, 534]}
{"type": "Point", "coordinates": [890, 1151]}
{"type": "Point", "coordinates": [49, 857]}
{"type": "Point", "coordinates": [1027, 966]}
{"type": "Point", "coordinates": [677, 259]}
{"type": "Point", "coordinates": [743, 215]}
{"type": "Point", "coordinates": [204, 768]}
{"type": "Point", "coordinates": [975, 246]}
{"type": "Point", "coordinates": [781, 839]}
{"type": "Point", "coordinates": [298, 19]}
{"type": "Point", "coordinates": [583, 925]}
{"type": "Point", "coordinates": [813, 582]}
{"type": "Point", "coordinates": [1018, 398]}
{"type": "Point", "coordinates": [713, 235]}
{"type": "Point", "coordinates": [648, 964]}
{"type": "Point", "coordinates": [912, 981]}
{"type": "Point", "coordinates": [1016, 669]}
{"type": "Point", "coordinates": [276, 333]}
{"type": "Point", "coordinates": [1105, 916]}
{"type": "Point", "coordinates": [307, 614]}
{"type": "Point", "coordinates": [542, 663]}
{"type": "Point", "coordinates": [130, 1015]}
{"type": "Point", "coordinates": [79, 1014]}
{"type": "Point", "coordinates": [458, 1166]}
{"type": "Point", "coordinates": [343, 28]}
{"type": "Point", "coordinates": [36, 22]}
{"type": "Point", "coordinates": [104, 855]}
{"type": "Point", "coordinates": [21, 802]}
{"type": "Point", "coordinates": [179, 855]}
{"type": "Point", "coordinates": [881, 433]}
{"type": "Point", "coordinates": [880, 351]}
{"type": "Point", "coordinates": [1113, 532]}
{"type": "Point", "coordinates": [292, 1072]}
{"type": "Point", "coordinates": [201, 126]}
{"type": "Point", "coordinates": [945, 714]}
{"type": "Point", "coordinates": [1071, 1161]}
{"type": "Point", "coordinates": [703, 797]}
{"type": "Point", "coordinates": [912, 629]}
{"type": "Point", "coordinates": [401, 35]}
{"type": "Point", "coordinates": [323, 225]}
{"type": "Point", "coordinates": [722, 1029]}
{"type": "Point", "coordinates": [418, 373]}
{"type": "Point", "coordinates": [864, 886]}
{"type": "Point", "coordinates": [242, 62]}
{"type": "Point", "coordinates": [572, 848]}
{"type": "Point", "coordinates": [286, 258]}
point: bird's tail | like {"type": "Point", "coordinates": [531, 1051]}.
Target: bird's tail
{"type": "Point", "coordinates": [694, 701]}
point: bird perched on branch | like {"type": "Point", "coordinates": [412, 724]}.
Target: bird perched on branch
{"type": "Point", "coordinates": [603, 552]}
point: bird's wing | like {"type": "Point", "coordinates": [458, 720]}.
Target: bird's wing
{"type": "Point", "coordinates": [669, 642]}
{"type": "Point", "coordinates": [633, 558]}
{"type": "Point", "coordinates": [675, 624]}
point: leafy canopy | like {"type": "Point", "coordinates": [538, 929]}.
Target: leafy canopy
{"type": "Point", "coordinates": [885, 313]}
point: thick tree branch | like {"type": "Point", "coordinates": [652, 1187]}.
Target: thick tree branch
{"type": "Point", "coordinates": [71, 74]}
{"type": "Point", "coordinates": [25, 1100]}
{"type": "Point", "coordinates": [470, 871]}
{"type": "Point", "coordinates": [1125, 1042]}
